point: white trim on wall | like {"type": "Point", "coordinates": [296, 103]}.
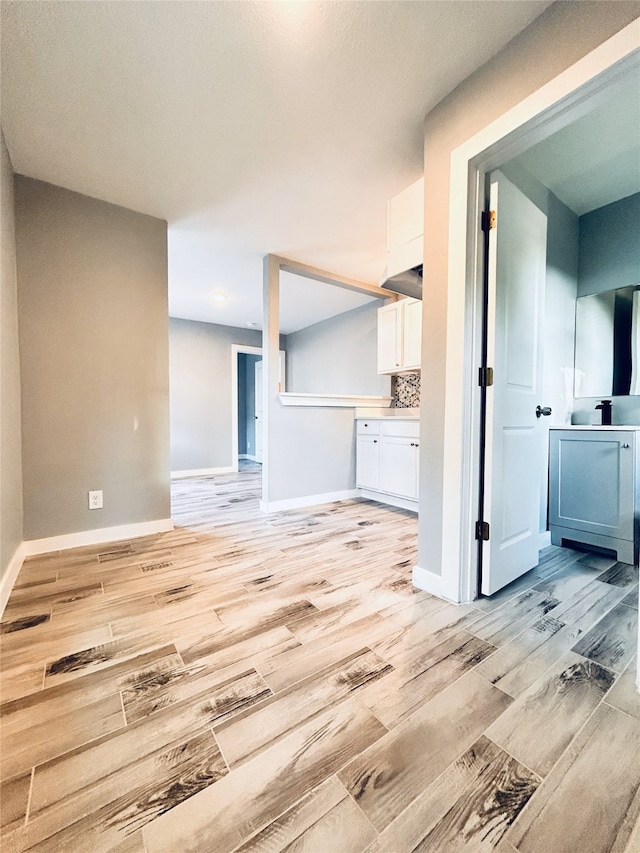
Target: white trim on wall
{"type": "Point", "coordinates": [11, 575]}
{"type": "Point", "coordinates": [97, 537]}
{"type": "Point", "coordinates": [203, 472]}
{"type": "Point", "coordinates": [105, 535]}
{"type": "Point", "coordinates": [352, 401]}
{"type": "Point", "coordinates": [309, 500]}
{"type": "Point", "coordinates": [553, 106]}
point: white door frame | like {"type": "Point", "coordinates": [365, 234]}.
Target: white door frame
{"type": "Point", "coordinates": [558, 103]}
{"type": "Point", "coordinates": [235, 350]}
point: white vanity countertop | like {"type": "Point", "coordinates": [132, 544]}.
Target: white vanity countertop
{"type": "Point", "coordinates": [404, 414]}
{"type": "Point", "coordinates": [616, 427]}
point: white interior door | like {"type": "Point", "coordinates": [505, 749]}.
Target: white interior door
{"type": "Point", "coordinates": [513, 457]}
{"type": "Point", "coordinates": [258, 411]}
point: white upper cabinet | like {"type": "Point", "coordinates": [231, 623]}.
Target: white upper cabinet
{"type": "Point", "coordinates": [399, 336]}
{"type": "Point", "coordinates": [411, 333]}
{"type": "Point", "coordinates": [405, 229]}
{"type": "Point", "coordinates": [389, 338]}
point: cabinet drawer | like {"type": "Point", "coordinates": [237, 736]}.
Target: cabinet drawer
{"type": "Point", "coordinates": [368, 427]}
{"type": "Point", "coordinates": [409, 429]}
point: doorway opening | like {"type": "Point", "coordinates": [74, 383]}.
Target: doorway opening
{"type": "Point", "coordinates": [246, 404]}
{"type": "Point", "coordinates": [249, 407]}
{"type": "Point", "coordinates": [560, 103]}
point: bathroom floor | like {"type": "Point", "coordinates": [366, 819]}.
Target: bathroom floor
{"type": "Point", "coordinates": [262, 683]}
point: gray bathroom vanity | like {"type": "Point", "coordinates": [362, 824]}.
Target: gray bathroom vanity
{"type": "Point", "coordinates": [593, 488]}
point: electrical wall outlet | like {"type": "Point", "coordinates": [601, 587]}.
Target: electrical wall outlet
{"type": "Point", "coordinates": [95, 500]}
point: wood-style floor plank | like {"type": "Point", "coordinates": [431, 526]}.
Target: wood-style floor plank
{"type": "Point", "coordinates": [224, 815]}
{"type": "Point", "coordinates": [274, 682]}
{"type": "Point", "coordinates": [468, 807]}
{"type": "Point", "coordinates": [543, 720]}
{"type": "Point", "coordinates": [385, 779]}
{"type": "Point", "coordinates": [601, 765]}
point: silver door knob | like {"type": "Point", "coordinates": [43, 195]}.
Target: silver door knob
{"type": "Point", "coordinates": [543, 410]}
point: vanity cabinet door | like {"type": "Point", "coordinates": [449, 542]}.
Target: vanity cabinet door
{"type": "Point", "coordinates": [592, 482]}
{"type": "Point", "coordinates": [368, 462]}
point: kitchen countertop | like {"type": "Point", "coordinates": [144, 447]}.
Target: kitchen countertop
{"type": "Point", "coordinates": [404, 414]}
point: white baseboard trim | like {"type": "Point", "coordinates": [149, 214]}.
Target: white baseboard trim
{"type": "Point", "coordinates": [308, 500]}
{"type": "Point", "coordinates": [96, 537]}
{"type": "Point", "coordinates": [544, 540]}
{"type": "Point", "coordinates": [10, 575]}
{"type": "Point", "coordinates": [390, 500]}
{"type": "Point", "coordinates": [203, 472]}
{"type": "Point", "coordinates": [430, 582]}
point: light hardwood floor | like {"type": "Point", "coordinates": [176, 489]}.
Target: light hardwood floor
{"type": "Point", "coordinates": [267, 683]}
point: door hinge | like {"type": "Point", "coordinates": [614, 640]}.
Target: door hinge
{"type": "Point", "coordinates": [488, 220]}
{"type": "Point", "coordinates": [482, 530]}
{"type": "Point", "coordinates": [485, 377]}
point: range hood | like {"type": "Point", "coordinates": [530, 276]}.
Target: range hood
{"type": "Point", "coordinates": [409, 282]}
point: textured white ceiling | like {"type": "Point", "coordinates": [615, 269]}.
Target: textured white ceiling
{"type": "Point", "coordinates": [251, 127]}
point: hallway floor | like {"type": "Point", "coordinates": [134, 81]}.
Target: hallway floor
{"type": "Point", "coordinates": [268, 683]}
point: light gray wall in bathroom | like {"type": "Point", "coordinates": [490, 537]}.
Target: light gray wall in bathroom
{"type": "Point", "coordinates": [610, 247]}
{"type": "Point", "coordinates": [609, 258]}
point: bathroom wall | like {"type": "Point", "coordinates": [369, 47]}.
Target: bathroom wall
{"type": "Point", "coordinates": [609, 258]}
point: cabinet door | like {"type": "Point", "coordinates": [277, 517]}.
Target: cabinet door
{"type": "Point", "coordinates": [368, 462]}
{"type": "Point", "coordinates": [412, 334]}
{"type": "Point", "coordinates": [389, 338]}
{"type": "Point", "coordinates": [399, 466]}
{"type": "Point", "coordinates": [591, 481]}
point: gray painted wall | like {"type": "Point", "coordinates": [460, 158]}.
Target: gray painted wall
{"type": "Point", "coordinates": [609, 258]}
{"type": "Point", "coordinates": [92, 305]}
{"type": "Point", "coordinates": [200, 383]}
{"type": "Point", "coordinates": [610, 247]}
{"type": "Point", "coordinates": [247, 403]}
{"type": "Point", "coordinates": [312, 451]}
{"type": "Point", "coordinates": [337, 356]}
{"type": "Point", "coordinates": [11, 522]}
{"type": "Point", "coordinates": [563, 34]}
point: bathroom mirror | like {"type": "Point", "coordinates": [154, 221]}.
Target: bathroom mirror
{"type": "Point", "coordinates": [607, 349]}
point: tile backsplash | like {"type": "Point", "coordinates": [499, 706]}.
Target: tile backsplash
{"type": "Point", "coordinates": [405, 391]}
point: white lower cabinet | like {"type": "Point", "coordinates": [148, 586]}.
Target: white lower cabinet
{"type": "Point", "coordinates": [368, 462]}
{"type": "Point", "coordinates": [387, 460]}
{"type": "Point", "coordinates": [399, 466]}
